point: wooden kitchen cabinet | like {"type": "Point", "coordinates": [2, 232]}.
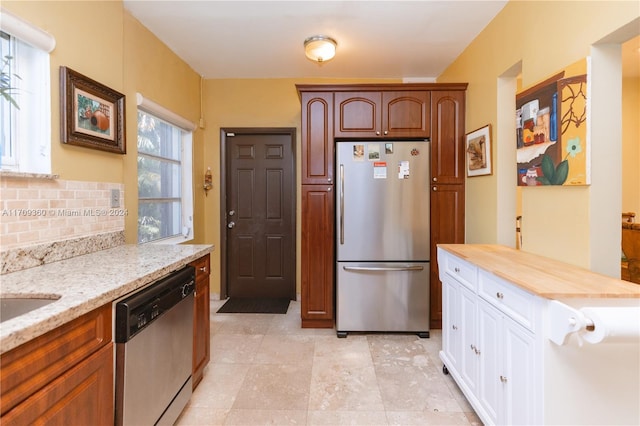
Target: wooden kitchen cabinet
{"type": "Point", "coordinates": [317, 138]}
{"type": "Point", "coordinates": [201, 322]}
{"type": "Point", "coordinates": [63, 377]}
{"type": "Point", "coordinates": [317, 251]}
{"type": "Point", "coordinates": [447, 227]}
{"type": "Point", "coordinates": [447, 182]}
{"type": "Point", "coordinates": [447, 137]}
{"type": "Point", "coordinates": [388, 114]}
{"type": "Point", "coordinates": [372, 111]}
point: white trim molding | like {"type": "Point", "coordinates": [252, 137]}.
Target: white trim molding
{"type": "Point", "coordinates": [26, 31]}
{"type": "Point", "coordinates": [163, 113]}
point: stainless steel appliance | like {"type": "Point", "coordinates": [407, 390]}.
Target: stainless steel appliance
{"type": "Point", "coordinates": [382, 241]}
{"type": "Point", "coordinates": [154, 346]}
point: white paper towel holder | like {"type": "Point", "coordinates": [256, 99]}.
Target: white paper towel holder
{"type": "Point", "coordinates": [565, 320]}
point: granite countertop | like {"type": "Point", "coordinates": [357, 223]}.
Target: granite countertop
{"type": "Point", "coordinates": [86, 282]}
{"type": "Point", "coordinates": [542, 276]}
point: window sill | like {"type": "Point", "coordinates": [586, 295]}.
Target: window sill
{"type": "Point", "coordinates": [6, 174]}
{"type": "Point", "coordinates": [172, 240]}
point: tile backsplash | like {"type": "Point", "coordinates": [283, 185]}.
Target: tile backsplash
{"type": "Point", "coordinates": [37, 213]}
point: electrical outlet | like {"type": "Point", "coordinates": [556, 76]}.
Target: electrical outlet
{"type": "Point", "coordinates": [115, 198]}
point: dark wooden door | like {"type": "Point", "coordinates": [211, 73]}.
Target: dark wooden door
{"type": "Point", "coordinates": [260, 212]}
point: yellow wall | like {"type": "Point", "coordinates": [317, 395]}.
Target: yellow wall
{"type": "Point", "coordinates": [249, 103]}
{"type": "Point", "coordinates": [544, 37]}
{"type": "Point", "coordinates": [102, 41]}
{"type": "Point", "coordinates": [631, 146]}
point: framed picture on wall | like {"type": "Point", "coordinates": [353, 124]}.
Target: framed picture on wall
{"type": "Point", "coordinates": [478, 152]}
{"type": "Point", "coordinates": [92, 115]}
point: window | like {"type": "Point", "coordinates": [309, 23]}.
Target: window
{"type": "Point", "coordinates": [25, 143]}
{"type": "Point", "coordinates": [165, 198]}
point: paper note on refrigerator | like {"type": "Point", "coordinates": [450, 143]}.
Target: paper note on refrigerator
{"type": "Point", "coordinates": [380, 170]}
{"type": "Point", "coordinates": [403, 170]}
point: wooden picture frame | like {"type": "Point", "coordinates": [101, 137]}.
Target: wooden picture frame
{"type": "Point", "coordinates": [478, 152]}
{"type": "Point", "coordinates": [92, 115]}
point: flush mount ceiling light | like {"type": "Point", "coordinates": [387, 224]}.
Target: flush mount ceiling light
{"type": "Point", "coordinates": [320, 48]}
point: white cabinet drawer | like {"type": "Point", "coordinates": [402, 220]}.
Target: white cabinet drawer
{"type": "Point", "coordinates": [461, 271]}
{"type": "Point", "coordinates": [513, 301]}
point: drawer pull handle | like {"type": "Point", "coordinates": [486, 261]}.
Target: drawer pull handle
{"type": "Point", "coordinates": [499, 295]}
{"type": "Point", "coordinates": [503, 379]}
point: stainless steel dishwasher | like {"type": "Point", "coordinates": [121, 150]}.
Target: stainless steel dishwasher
{"type": "Point", "coordinates": [154, 346]}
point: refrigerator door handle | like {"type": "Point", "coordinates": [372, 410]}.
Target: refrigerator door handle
{"type": "Point", "coordinates": [341, 203]}
{"type": "Point", "coordinates": [383, 268]}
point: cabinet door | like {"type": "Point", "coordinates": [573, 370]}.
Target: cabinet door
{"type": "Point", "coordinates": [81, 396]}
{"type": "Point", "coordinates": [317, 256]}
{"type": "Point", "coordinates": [490, 391]}
{"type": "Point", "coordinates": [358, 114]}
{"type": "Point", "coordinates": [469, 352]}
{"type": "Point", "coordinates": [518, 377]}
{"type": "Point", "coordinates": [447, 227]}
{"type": "Point", "coordinates": [201, 324]}
{"type": "Point", "coordinates": [447, 137]}
{"type": "Point", "coordinates": [317, 138]}
{"type": "Point", "coordinates": [405, 114]}
{"type": "Point", "coordinates": [451, 327]}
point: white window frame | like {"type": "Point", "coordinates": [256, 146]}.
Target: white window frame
{"type": "Point", "coordinates": [187, 128]}
{"type": "Point", "coordinates": [30, 145]}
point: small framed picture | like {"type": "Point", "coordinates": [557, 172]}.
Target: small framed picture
{"type": "Point", "coordinates": [92, 114]}
{"type": "Point", "coordinates": [478, 152]}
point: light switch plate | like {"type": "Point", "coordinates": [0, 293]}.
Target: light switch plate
{"type": "Point", "coordinates": [115, 198]}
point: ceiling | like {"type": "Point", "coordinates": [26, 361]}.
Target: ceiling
{"type": "Point", "coordinates": [410, 40]}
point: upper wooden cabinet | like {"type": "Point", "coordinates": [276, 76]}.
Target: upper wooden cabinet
{"type": "Point", "coordinates": [447, 137]}
{"type": "Point", "coordinates": [317, 138]}
{"type": "Point", "coordinates": [385, 114]}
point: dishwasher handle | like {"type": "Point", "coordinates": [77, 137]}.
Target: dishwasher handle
{"type": "Point", "coordinates": [383, 268]}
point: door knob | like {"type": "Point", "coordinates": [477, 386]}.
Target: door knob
{"type": "Point", "coordinates": [231, 225]}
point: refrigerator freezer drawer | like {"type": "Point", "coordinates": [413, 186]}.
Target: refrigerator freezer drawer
{"type": "Point", "coordinates": [391, 297]}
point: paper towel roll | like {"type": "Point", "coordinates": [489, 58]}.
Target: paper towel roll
{"type": "Point", "coordinates": [613, 325]}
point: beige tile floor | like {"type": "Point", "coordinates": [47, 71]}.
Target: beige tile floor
{"type": "Point", "coordinates": [266, 370]}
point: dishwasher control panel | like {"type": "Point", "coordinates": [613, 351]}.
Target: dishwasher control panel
{"type": "Point", "coordinates": [136, 312]}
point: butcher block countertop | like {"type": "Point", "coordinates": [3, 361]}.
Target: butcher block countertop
{"type": "Point", "coordinates": [84, 283]}
{"type": "Point", "coordinates": [540, 275]}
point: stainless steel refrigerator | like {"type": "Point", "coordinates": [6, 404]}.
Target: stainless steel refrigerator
{"type": "Point", "coordinates": [382, 241]}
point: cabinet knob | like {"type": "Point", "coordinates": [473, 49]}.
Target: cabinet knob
{"type": "Point", "coordinates": [329, 189]}
{"type": "Point", "coordinates": [499, 295]}
{"type": "Point", "coordinates": [378, 133]}
{"type": "Point", "coordinates": [503, 379]}
{"type": "Point", "coordinates": [386, 132]}
{"type": "Point", "coordinates": [473, 348]}
{"type": "Point", "coordinates": [435, 179]}
{"type": "Point", "coordinates": [203, 269]}
{"type": "Point", "coordinates": [329, 180]}
{"type": "Point", "coordinates": [455, 327]}
{"type": "Point", "coordinates": [435, 188]}
{"type": "Point", "coordinates": [456, 269]}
